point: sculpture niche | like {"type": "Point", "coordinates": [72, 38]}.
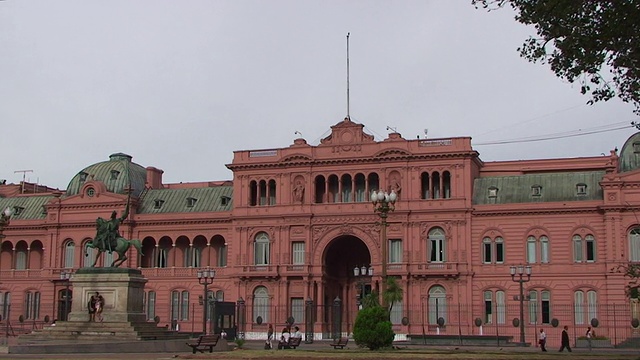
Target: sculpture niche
{"type": "Point", "coordinates": [108, 238]}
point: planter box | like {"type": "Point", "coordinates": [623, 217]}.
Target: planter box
{"type": "Point", "coordinates": [597, 343]}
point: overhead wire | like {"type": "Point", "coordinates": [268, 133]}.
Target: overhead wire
{"type": "Point", "coordinates": [562, 135]}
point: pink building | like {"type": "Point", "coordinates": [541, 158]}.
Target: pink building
{"type": "Point", "coordinates": [285, 236]}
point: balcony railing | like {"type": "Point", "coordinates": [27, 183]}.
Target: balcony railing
{"type": "Point", "coordinates": [444, 269]}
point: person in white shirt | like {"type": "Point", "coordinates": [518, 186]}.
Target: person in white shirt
{"type": "Point", "coordinates": [284, 339]}
{"type": "Point", "coordinates": [297, 333]}
{"type": "Point", "coordinates": [543, 340]}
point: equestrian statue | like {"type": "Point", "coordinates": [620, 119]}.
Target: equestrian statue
{"type": "Point", "coordinates": [108, 238]}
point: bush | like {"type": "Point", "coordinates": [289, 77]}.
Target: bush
{"type": "Point", "coordinates": [239, 342]}
{"type": "Point", "coordinates": [373, 328]}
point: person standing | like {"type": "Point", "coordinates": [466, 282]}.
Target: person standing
{"type": "Point", "coordinates": [99, 307]}
{"type": "Point", "coordinates": [91, 306]}
{"type": "Point", "coordinates": [270, 336]}
{"type": "Point", "coordinates": [565, 339]}
{"type": "Point", "coordinates": [543, 340]}
{"type": "Point", "coordinates": [589, 336]}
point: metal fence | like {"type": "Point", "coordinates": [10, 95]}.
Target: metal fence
{"type": "Point", "coordinates": [613, 324]}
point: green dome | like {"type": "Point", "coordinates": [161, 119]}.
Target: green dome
{"type": "Point", "coordinates": [630, 155]}
{"type": "Point", "coordinates": [117, 174]}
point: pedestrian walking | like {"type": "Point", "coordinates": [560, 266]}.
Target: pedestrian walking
{"type": "Point", "coordinates": [589, 336]}
{"type": "Point", "coordinates": [543, 340]}
{"type": "Point", "coordinates": [565, 339]}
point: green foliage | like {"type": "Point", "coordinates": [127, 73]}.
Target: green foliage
{"type": "Point", "coordinates": [373, 328]}
{"type": "Point", "coordinates": [239, 342]}
{"type": "Point", "coordinates": [631, 271]}
{"type": "Point", "coordinates": [393, 292]}
{"type": "Point", "coordinates": [371, 300]}
{"type": "Point", "coordinates": [594, 43]}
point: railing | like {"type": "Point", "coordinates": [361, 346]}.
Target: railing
{"type": "Point", "coordinates": [435, 269]}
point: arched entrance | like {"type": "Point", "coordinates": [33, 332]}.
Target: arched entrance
{"type": "Point", "coordinates": [340, 257]}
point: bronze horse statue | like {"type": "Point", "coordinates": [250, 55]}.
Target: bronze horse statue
{"type": "Point", "coordinates": [121, 248]}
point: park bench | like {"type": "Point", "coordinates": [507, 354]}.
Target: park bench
{"type": "Point", "coordinates": [294, 342]}
{"type": "Point", "coordinates": [340, 343]}
{"type": "Point", "coordinates": [203, 342]}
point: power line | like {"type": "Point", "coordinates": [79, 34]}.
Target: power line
{"type": "Point", "coordinates": [562, 135]}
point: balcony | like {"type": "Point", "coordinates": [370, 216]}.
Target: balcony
{"type": "Point", "coordinates": [259, 271]}
{"type": "Point", "coordinates": [295, 270]}
{"type": "Point", "coordinates": [182, 272]}
{"type": "Point", "coordinates": [440, 269]}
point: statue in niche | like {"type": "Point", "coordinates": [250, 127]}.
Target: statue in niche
{"type": "Point", "coordinates": [298, 192]}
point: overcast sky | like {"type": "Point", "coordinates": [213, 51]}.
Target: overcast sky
{"type": "Point", "coordinates": [180, 85]}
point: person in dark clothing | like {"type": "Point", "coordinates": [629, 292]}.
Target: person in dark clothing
{"type": "Point", "coordinates": [565, 339]}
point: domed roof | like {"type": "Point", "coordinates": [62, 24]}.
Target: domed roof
{"type": "Point", "coordinates": [630, 155]}
{"type": "Point", "coordinates": [117, 174]}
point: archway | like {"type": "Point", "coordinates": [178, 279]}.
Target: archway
{"type": "Point", "coordinates": [340, 257]}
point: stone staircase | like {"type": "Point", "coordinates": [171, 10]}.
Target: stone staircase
{"type": "Point", "coordinates": [74, 331]}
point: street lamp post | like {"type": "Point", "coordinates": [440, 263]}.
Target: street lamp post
{"type": "Point", "coordinates": [205, 277]}
{"type": "Point", "coordinates": [521, 274]}
{"type": "Point", "coordinates": [65, 275]}
{"type": "Point", "coordinates": [362, 275]}
{"type": "Point", "coordinates": [383, 203]}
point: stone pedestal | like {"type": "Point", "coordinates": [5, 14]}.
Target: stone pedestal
{"type": "Point", "coordinates": [121, 288]}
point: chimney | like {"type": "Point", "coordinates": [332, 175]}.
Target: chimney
{"type": "Point", "coordinates": [154, 177]}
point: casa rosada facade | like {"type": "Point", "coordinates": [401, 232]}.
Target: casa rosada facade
{"type": "Point", "coordinates": [285, 235]}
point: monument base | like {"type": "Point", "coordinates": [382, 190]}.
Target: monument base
{"type": "Point", "coordinates": [123, 317]}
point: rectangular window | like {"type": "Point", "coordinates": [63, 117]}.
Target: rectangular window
{"type": "Point", "coordinates": [222, 256]}
{"type": "Point", "coordinates": [578, 307]}
{"type": "Point", "coordinates": [297, 310]}
{"type": "Point", "coordinates": [488, 307]}
{"type": "Point", "coordinates": [544, 249]}
{"type": "Point", "coordinates": [531, 250]}
{"type": "Point", "coordinates": [486, 246]}
{"type": "Point", "coordinates": [533, 307]}
{"type": "Point", "coordinates": [262, 253]}
{"type": "Point", "coordinates": [151, 305]}
{"type": "Point", "coordinates": [545, 307]}
{"type": "Point", "coordinates": [577, 248]}
{"type": "Point", "coordinates": [184, 306]}
{"type": "Point", "coordinates": [634, 245]}
{"type": "Point", "coordinates": [175, 305]}
{"type": "Point", "coordinates": [436, 250]}
{"type": "Point", "coordinates": [500, 307]}
{"type": "Point", "coordinates": [395, 251]}
{"type": "Point", "coordinates": [499, 251]}
{"type": "Point", "coordinates": [591, 248]}
{"type": "Point", "coordinates": [297, 253]}
{"type": "Point", "coordinates": [69, 252]}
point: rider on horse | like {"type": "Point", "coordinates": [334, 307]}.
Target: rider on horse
{"type": "Point", "coordinates": [108, 232]}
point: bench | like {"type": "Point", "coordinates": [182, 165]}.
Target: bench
{"type": "Point", "coordinates": [340, 343]}
{"type": "Point", "coordinates": [294, 342]}
{"type": "Point", "coordinates": [203, 342]}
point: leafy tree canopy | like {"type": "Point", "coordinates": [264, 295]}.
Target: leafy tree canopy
{"type": "Point", "coordinates": [592, 42]}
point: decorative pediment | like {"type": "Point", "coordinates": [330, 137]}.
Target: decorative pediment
{"type": "Point", "coordinates": [392, 152]}
{"type": "Point", "coordinates": [347, 132]}
{"type": "Point", "coordinates": [296, 157]}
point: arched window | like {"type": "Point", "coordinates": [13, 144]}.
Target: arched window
{"type": "Point", "coordinates": [261, 304]}
{"type": "Point", "coordinates": [261, 249]}
{"type": "Point", "coordinates": [179, 305]}
{"type": "Point", "coordinates": [219, 295]}
{"type": "Point", "coordinates": [437, 304]}
{"type": "Point", "coordinates": [634, 244]}
{"type": "Point", "coordinates": [533, 248]}
{"type": "Point", "coordinates": [436, 245]}
{"type": "Point", "coordinates": [500, 306]}
{"type": "Point", "coordinates": [88, 255]}
{"type": "Point", "coordinates": [69, 254]}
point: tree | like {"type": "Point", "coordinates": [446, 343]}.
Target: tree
{"type": "Point", "coordinates": [372, 328]}
{"type": "Point", "coordinates": [392, 293]}
{"type": "Point", "coordinates": [631, 271]}
{"type": "Point", "coordinates": [581, 40]}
